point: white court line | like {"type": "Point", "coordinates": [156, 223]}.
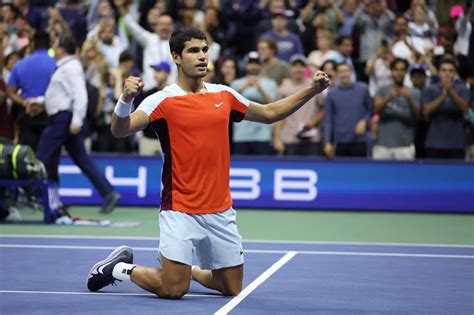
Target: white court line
{"type": "Point", "coordinates": [256, 251]}
{"type": "Point", "coordinates": [245, 241]}
{"type": "Point", "coordinates": [97, 293]}
{"type": "Point", "coordinates": [252, 286]}
{"type": "Point", "coordinates": [73, 247]}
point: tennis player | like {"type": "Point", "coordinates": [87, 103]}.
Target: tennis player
{"type": "Point", "coordinates": [190, 118]}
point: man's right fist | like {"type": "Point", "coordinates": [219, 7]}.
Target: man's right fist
{"type": "Point", "coordinates": [132, 87]}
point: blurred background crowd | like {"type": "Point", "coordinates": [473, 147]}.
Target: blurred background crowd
{"type": "Point", "coordinates": [402, 71]}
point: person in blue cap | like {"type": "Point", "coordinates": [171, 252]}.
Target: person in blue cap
{"type": "Point", "coordinates": [161, 74]}
{"type": "Point", "coordinates": [418, 75]}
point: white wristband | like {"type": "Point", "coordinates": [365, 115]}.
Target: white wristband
{"type": "Point", "coordinates": [123, 109]}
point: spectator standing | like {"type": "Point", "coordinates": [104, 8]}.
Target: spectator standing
{"type": "Point", "coordinates": [109, 91]}
{"type": "Point", "coordinates": [378, 68]}
{"type": "Point", "coordinates": [94, 63]}
{"type": "Point", "coordinates": [251, 137]}
{"type": "Point", "coordinates": [110, 44]}
{"type": "Point", "coordinates": [445, 103]}
{"type": "Point", "coordinates": [300, 133]}
{"type": "Point", "coordinates": [317, 15]}
{"type": "Point", "coordinates": [226, 74]}
{"type": "Point", "coordinates": [430, 16]}
{"type": "Point", "coordinates": [56, 24]}
{"type": "Point", "coordinates": [447, 49]}
{"type": "Point", "coordinates": [344, 54]}
{"type": "Point", "coordinates": [422, 35]}
{"type": "Point", "coordinates": [155, 45]}
{"type": "Point", "coordinates": [272, 67]}
{"type": "Point", "coordinates": [464, 27]}
{"type": "Point", "coordinates": [349, 9]}
{"type": "Point", "coordinates": [98, 10]}
{"type": "Point", "coordinates": [324, 42]}
{"type": "Point", "coordinates": [401, 43]}
{"type": "Point", "coordinates": [288, 43]}
{"type": "Point", "coordinates": [26, 85]}
{"type": "Point", "coordinates": [33, 15]}
{"type": "Point", "coordinates": [347, 111]}
{"type": "Point", "coordinates": [398, 109]}
{"type": "Point", "coordinates": [272, 7]}
{"type": "Point", "coordinates": [373, 23]}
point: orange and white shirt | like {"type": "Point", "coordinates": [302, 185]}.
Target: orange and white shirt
{"type": "Point", "coordinates": [193, 131]}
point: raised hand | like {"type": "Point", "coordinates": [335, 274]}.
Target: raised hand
{"type": "Point", "coordinates": [320, 81]}
{"type": "Point", "coordinates": [132, 87]}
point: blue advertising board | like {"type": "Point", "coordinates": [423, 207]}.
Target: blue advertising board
{"type": "Point", "coordinates": [295, 184]}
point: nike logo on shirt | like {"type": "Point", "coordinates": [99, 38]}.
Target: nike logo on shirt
{"type": "Point", "coordinates": [218, 105]}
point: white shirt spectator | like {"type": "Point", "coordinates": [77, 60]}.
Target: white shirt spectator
{"type": "Point", "coordinates": [155, 50]}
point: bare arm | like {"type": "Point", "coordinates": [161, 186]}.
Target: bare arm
{"type": "Point", "coordinates": [278, 144]}
{"type": "Point", "coordinates": [124, 125]}
{"type": "Point", "coordinates": [11, 93]}
{"type": "Point", "coordinates": [283, 108]}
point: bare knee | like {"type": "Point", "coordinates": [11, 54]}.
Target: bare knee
{"type": "Point", "coordinates": [174, 292]}
{"type": "Point", "coordinates": [232, 291]}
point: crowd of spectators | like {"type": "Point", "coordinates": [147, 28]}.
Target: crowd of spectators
{"type": "Point", "coordinates": [402, 72]}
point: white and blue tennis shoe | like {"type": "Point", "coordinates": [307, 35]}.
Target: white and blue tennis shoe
{"type": "Point", "coordinates": [101, 273]}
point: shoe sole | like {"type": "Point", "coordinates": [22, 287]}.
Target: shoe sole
{"type": "Point", "coordinates": [112, 205]}
{"type": "Point", "coordinates": [110, 257]}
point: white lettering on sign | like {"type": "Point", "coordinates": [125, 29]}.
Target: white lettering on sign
{"type": "Point", "coordinates": [139, 182]}
{"type": "Point", "coordinates": [247, 183]}
{"type": "Point", "coordinates": [302, 180]}
{"type": "Point", "coordinates": [72, 192]}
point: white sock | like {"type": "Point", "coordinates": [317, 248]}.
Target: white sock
{"type": "Point", "coordinates": [122, 271]}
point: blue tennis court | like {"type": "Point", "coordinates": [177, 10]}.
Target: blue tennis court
{"type": "Point", "coordinates": [47, 275]}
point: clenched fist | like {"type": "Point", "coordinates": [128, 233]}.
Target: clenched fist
{"type": "Point", "coordinates": [133, 86]}
{"type": "Point", "coordinates": [320, 81]}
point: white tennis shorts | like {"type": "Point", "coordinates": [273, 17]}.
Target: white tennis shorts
{"type": "Point", "coordinates": [214, 237]}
